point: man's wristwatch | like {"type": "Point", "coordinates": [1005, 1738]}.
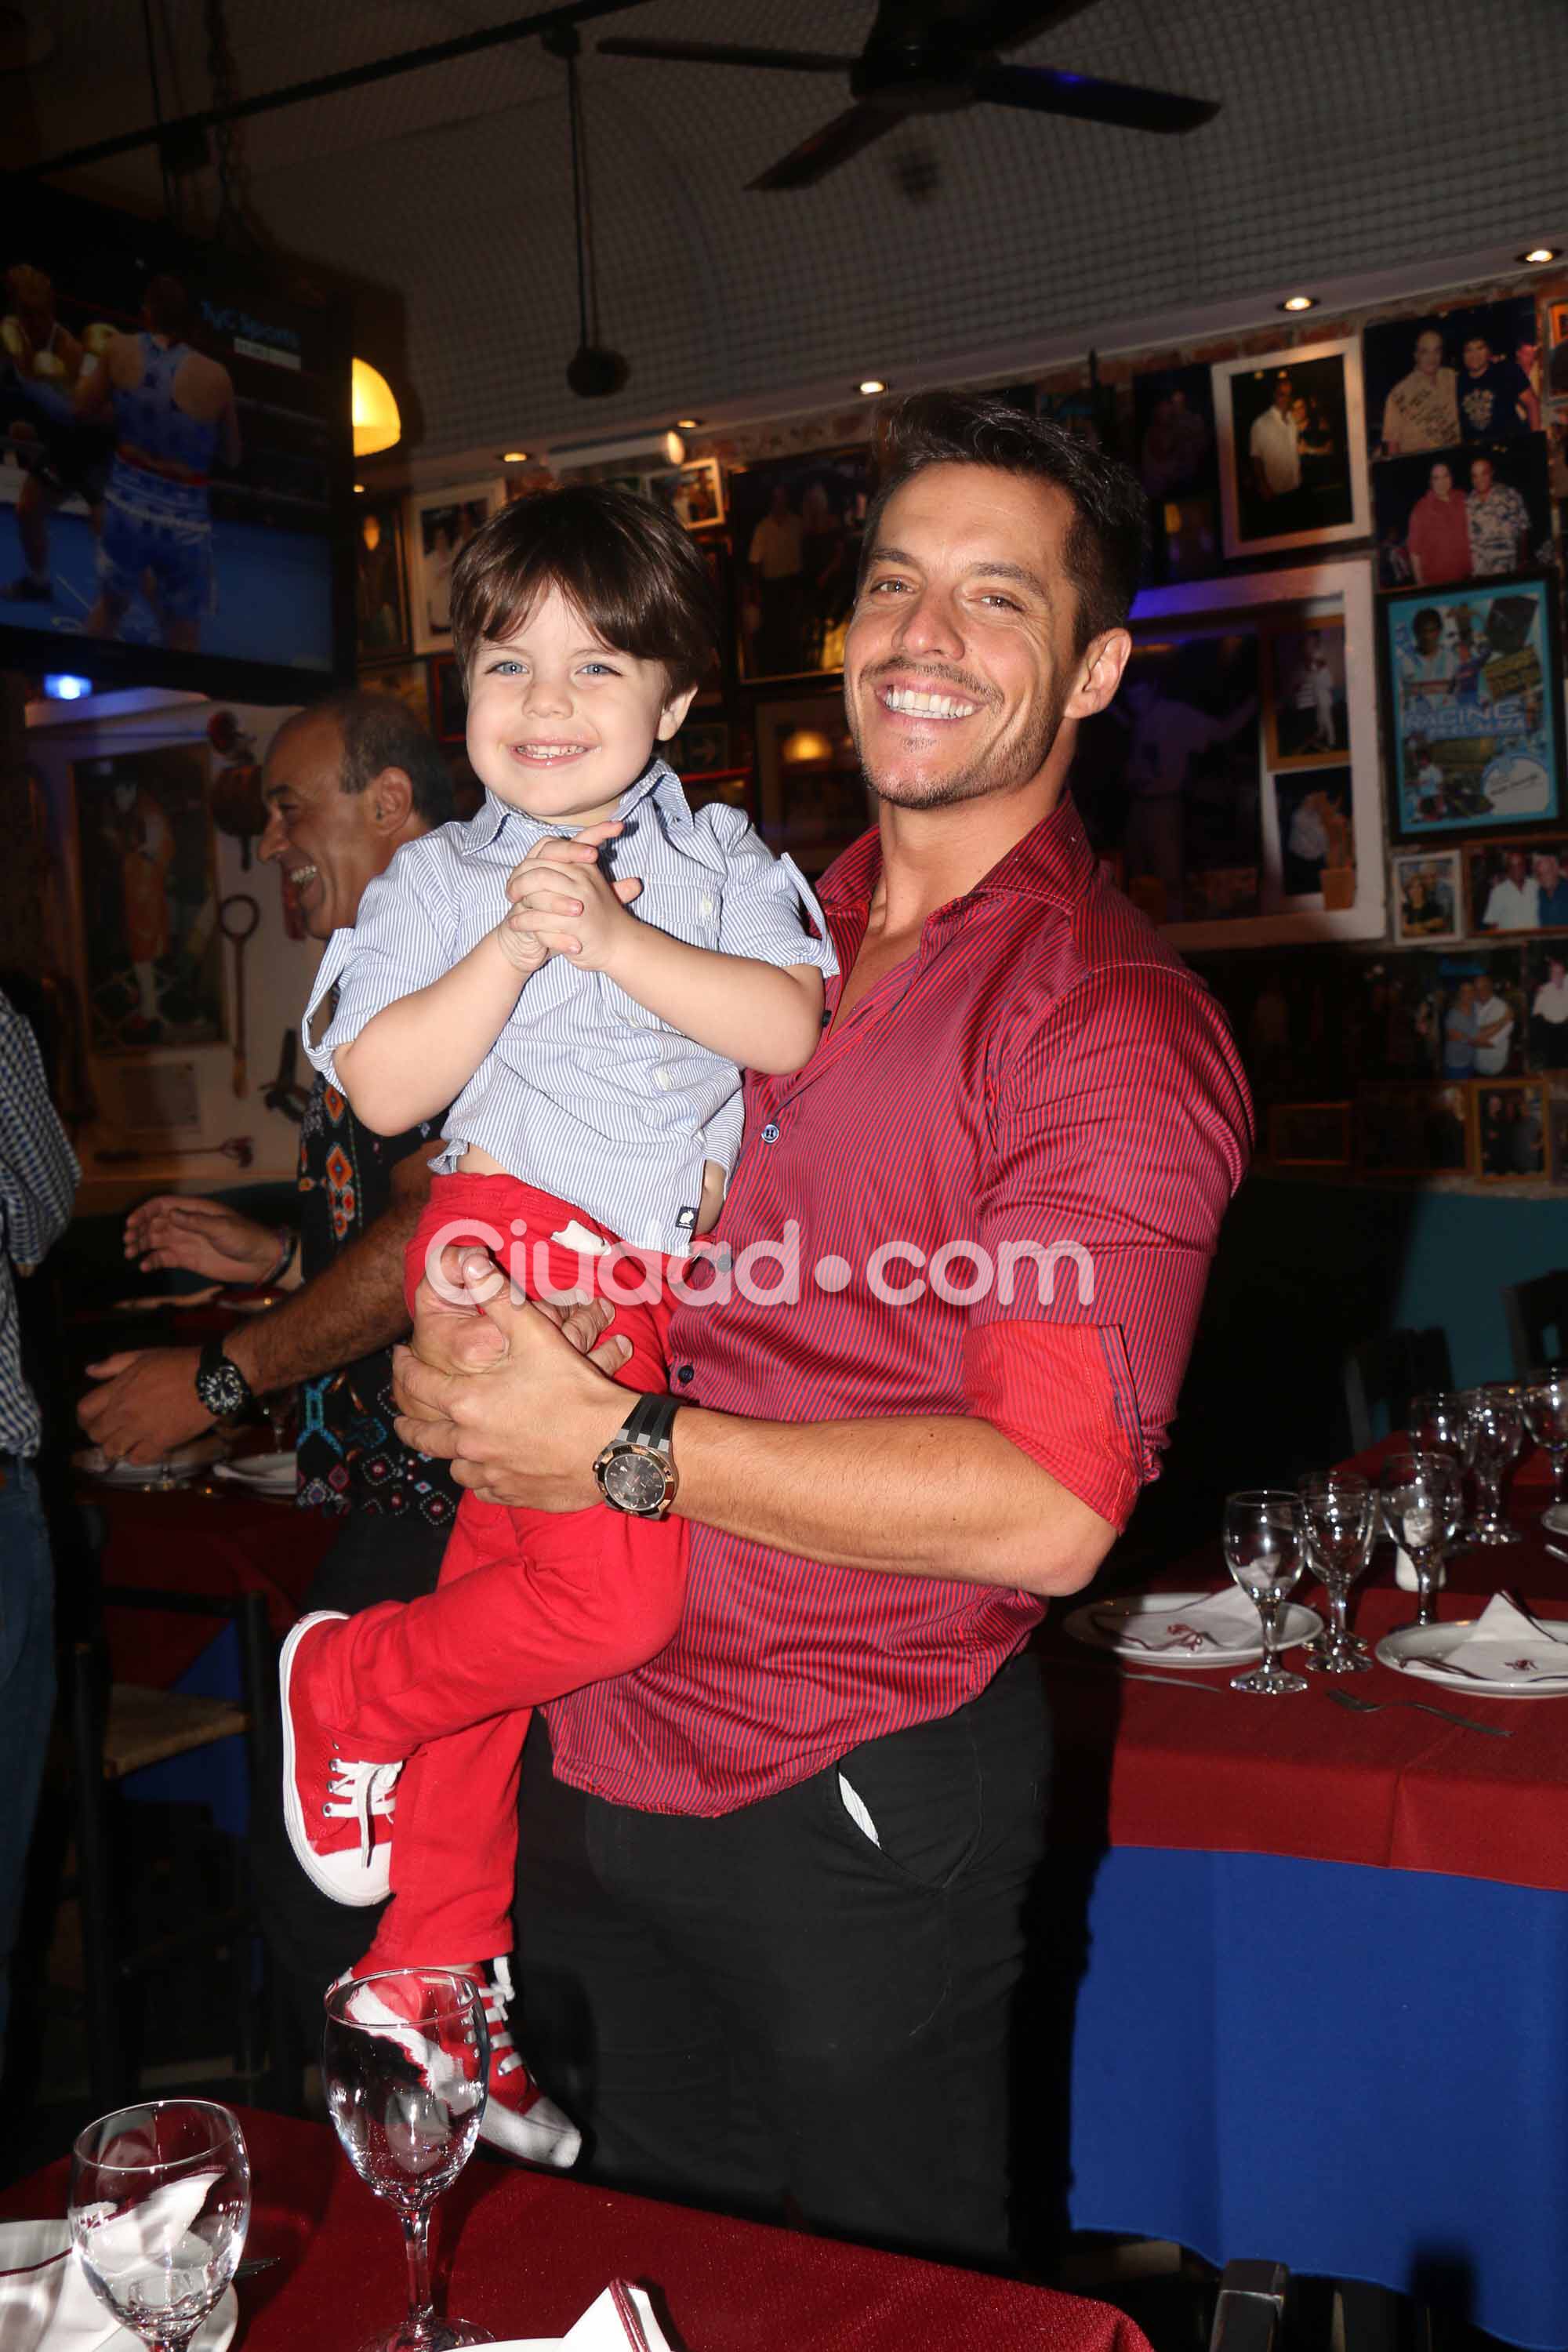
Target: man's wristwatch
{"type": "Point", "coordinates": [223, 1386]}
{"type": "Point", "coordinates": [634, 1473]}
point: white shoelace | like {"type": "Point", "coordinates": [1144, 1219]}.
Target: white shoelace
{"type": "Point", "coordinates": [494, 1992]}
{"type": "Point", "coordinates": [356, 1791]}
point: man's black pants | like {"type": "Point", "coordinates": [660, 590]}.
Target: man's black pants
{"type": "Point", "coordinates": [807, 2003]}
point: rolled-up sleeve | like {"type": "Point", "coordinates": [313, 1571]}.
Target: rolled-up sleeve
{"type": "Point", "coordinates": [405, 937]}
{"type": "Point", "coordinates": [1120, 1128]}
{"type": "Point", "coordinates": [767, 902]}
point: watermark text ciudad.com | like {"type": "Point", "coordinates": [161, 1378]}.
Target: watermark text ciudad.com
{"type": "Point", "coordinates": [771, 1273]}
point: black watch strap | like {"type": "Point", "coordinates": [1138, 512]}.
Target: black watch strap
{"type": "Point", "coordinates": [649, 1422]}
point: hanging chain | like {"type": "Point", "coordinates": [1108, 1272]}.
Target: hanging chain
{"type": "Point", "coordinates": [237, 223]}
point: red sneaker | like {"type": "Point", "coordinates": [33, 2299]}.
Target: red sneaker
{"type": "Point", "coordinates": [337, 1808]}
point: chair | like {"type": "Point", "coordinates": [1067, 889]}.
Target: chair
{"type": "Point", "coordinates": [118, 1729]}
{"type": "Point", "coordinates": [1250, 2309]}
{"type": "Point", "coordinates": [1537, 1311]}
{"type": "Point", "coordinates": [1388, 1370]}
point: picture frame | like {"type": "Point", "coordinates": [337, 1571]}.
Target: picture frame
{"type": "Point", "coordinates": [1260, 911]}
{"type": "Point", "coordinates": [1304, 710]}
{"type": "Point", "coordinates": [1431, 531]}
{"type": "Point", "coordinates": [1290, 429]}
{"type": "Point", "coordinates": [1511, 1125]}
{"type": "Point", "coordinates": [1471, 680]}
{"type": "Point", "coordinates": [694, 492]}
{"type": "Point", "coordinates": [1546, 1008]}
{"type": "Point", "coordinates": [152, 956]}
{"type": "Point", "coordinates": [1517, 888]}
{"type": "Point", "coordinates": [441, 523]}
{"type": "Point", "coordinates": [797, 524]}
{"type": "Point", "coordinates": [1557, 1128]}
{"type": "Point", "coordinates": [408, 680]}
{"type": "Point", "coordinates": [1556, 384]}
{"type": "Point", "coordinates": [1437, 379]}
{"type": "Point", "coordinates": [1310, 1135]}
{"type": "Point", "coordinates": [813, 802]}
{"type": "Point", "coordinates": [449, 699]}
{"type": "Point", "coordinates": [381, 582]}
{"type": "Point", "coordinates": [1482, 1019]}
{"type": "Point", "coordinates": [1415, 1131]}
{"type": "Point", "coordinates": [1428, 898]}
{"type": "Point", "coordinates": [700, 747]}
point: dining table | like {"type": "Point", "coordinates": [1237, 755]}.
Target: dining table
{"type": "Point", "coordinates": [524, 2253]}
{"type": "Point", "coordinates": [1314, 1961]}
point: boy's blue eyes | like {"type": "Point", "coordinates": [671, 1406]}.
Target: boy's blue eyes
{"type": "Point", "coordinates": [499, 668]}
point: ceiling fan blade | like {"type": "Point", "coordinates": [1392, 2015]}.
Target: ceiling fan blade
{"type": "Point", "coordinates": [834, 144]}
{"type": "Point", "coordinates": [725, 53]}
{"type": "Point", "coordinates": [1044, 90]}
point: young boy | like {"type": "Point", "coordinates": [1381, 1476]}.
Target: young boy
{"type": "Point", "coordinates": [579, 972]}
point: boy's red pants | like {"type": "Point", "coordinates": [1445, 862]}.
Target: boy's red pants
{"type": "Point", "coordinates": [529, 1604]}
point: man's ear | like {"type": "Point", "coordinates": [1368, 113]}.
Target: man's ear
{"type": "Point", "coordinates": [674, 711]}
{"type": "Point", "coordinates": [1100, 673]}
{"type": "Point", "coordinates": [391, 799]}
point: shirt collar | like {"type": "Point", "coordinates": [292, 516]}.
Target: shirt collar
{"type": "Point", "coordinates": [1052, 862]}
{"type": "Point", "coordinates": [657, 782]}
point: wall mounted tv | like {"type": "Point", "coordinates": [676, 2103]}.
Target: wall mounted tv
{"type": "Point", "coordinates": [175, 460]}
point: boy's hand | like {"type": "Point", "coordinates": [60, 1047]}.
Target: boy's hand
{"type": "Point", "coordinates": [562, 900]}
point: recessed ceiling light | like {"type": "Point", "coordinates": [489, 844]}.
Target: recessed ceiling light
{"type": "Point", "coordinates": [688, 424]}
{"type": "Point", "coordinates": [1540, 253]}
{"type": "Point", "coordinates": [872, 383]}
{"type": "Point", "coordinates": [359, 489]}
{"type": "Point", "coordinates": [514, 457]}
{"type": "Point", "coordinates": [1299, 302]}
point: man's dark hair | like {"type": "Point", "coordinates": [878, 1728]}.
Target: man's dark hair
{"type": "Point", "coordinates": [170, 309]}
{"type": "Point", "coordinates": [625, 563]}
{"type": "Point", "coordinates": [378, 731]}
{"type": "Point", "coordinates": [1428, 612]}
{"type": "Point", "coordinates": [1102, 554]}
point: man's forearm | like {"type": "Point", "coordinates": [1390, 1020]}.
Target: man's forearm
{"type": "Point", "coordinates": [349, 1310]}
{"type": "Point", "coordinates": [926, 1497]}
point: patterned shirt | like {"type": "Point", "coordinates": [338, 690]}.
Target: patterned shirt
{"type": "Point", "coordinates": [1499, 520]}
{"type": "Point", "coordinates": [38, 1177]}
{"type": "Point", "coordinates": [583, 1093]}
{"type": "Point", "coordinates": [349, 1458]}
{"type": "Point", "coordinates": [1422, 413]}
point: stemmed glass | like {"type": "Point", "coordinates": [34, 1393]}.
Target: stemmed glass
{"type": "Point", "coordinates": [1265, 1552]}
{"type": "Point", "coordinates": [278, 1407]}
{"type": "Point", "coordinates": [1546, 1417]}
{"type": "Point", "coordinates": [160, 2203]}
{"type": "Point", "coordinates": [1498, 1428]}
{"type": "Point", "coordinates": [404, 2063]}
{"type": "Point", "coordinates": [1422, 1501]}
{"type": "Point", "coordinates": [1337, 1518]}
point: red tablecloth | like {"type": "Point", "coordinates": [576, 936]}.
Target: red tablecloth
{"type": "Point", "coordinates": [523, 2253]}
{"type": "Point", "coordinates": [199, 1541]}
{"type": "Point", "coordinates": [1149, 1765]}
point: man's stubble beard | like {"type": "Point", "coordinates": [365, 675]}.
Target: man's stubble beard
{"type": "Point", "coordinates": [1013, 768]}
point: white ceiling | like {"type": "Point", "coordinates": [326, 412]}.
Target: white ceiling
{"type": "Point", "coordinates": [1357, 136]}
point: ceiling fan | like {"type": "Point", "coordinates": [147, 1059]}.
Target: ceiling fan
{"type": "Point", "coordinates": [935, 57]}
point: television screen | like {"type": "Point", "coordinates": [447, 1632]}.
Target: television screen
{"type": "Point", "coordinates": [175, 459]}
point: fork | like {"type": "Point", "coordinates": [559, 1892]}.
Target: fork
{"type": "Point", "coordinates": [1359, 1705]}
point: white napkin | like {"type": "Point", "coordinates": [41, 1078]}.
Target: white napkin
{"type": "Point", "coordinates": [1221, 1621]}
{"type": "Point", "coordinates": [1404, 1572]}
{"type": "Point", "coordinates": [51, 2310]}
{"type": "Point", "coordinates": [600, 2328]}
{"type": "Point", "coordinates": [1505, 1645]}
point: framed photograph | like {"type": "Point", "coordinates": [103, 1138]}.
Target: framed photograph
{"type": "Point", "coordinates": [152, 949]}
{"type": "Point", "coordinates": [1317, 838]}
{"type": "Point", "coordinates": [797, 523]}
{"type": "Point", "coordinates": [1519, 885]}
{"type": "Point", "coordinates": [1557, 356]}
{"type": "Point", "coordinates": [1511, 1132]}
{"type": "Point", "coordinates": [381, 586]}
{"type": "Point", "coordinates": [1310, 1135]}
{"type": "Point", "coordinates": [1427, 904]}
{"type": "Point", "coordinates": [694, 493]}
{"type": "Point", "coordinates": [1557, 1126]}
{"type": "Point", "coordinates": [1415, 1130]}
{"type": "Point", "coordinates": [448, 699]}
{"type": "Point", "coordinates": [1396, 1017]}
{"type": "Point", "coordinates": [701, 748]}
{"type": "Point", "coordinates": [814, 800]}
{"type": "Point", "coordinates": [1173, 421]}
{"type": "Point", "coordinates": [1174, 777]}
{"type": "Point", "coordinates": [1463, 514]}
{"type": "Point", "coordinates": [1290, 439]}
{"type": "Point", "coordinates": [1557, 437]}
{"type": "Point", "coordinates": [1483, 1013]}
{"type": "Point", "coordinates": [409, 681]}
{"type": "Point", "coordinates": [1304, 715]}
{"type": "Point", "coordinates": [1473, 688]}
{"type": "Point", "coordinates": [1546, 1003]}
{"type": "Point", "coordinates": [1442, 377]}
{"type": "Point", "coordinates": [440, 525]}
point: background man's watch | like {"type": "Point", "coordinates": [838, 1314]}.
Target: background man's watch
{"type": "Point", "coordinates": [223, 1386]}
{"type": "Point", "coordinates": [634, 1473]}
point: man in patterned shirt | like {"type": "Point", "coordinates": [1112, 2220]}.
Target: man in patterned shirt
{"type": "Point", "coordinates": [1499, 523]}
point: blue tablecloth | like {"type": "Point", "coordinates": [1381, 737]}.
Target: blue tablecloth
{"type": "Point", "coordinates": [1252, 2075]}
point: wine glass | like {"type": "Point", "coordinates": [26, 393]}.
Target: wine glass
{"type": "Point", "coordinates": [1265, 1553]}
{"type": "Point", "coordinates": [1498, 1428]}
{"type": "Point", "coordinates": [278, 1407]}
{"type": "Point", "coordinates": [1546, 1417]}
{"type": "Point", "coordinates": [1336, 1519]}
{"type": "Point", "coordinates": [1422, 1501]}
{"type": "Point", "coordinates": [404, 2063]}
{"type": "Point", "coordinates": [1441, 1424]}
{"type": "Point", "coordinates": [160, 2202]}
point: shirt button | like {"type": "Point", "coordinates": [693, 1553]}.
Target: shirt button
{"type": "Point", "coordinates": [683, 1373]}
{"type": "Point", "coordinates": [661, 1080]}
{"type": "Point", "coordinates": [770, 1132]}
{"type": "Point", "coordinates": [707, 906]}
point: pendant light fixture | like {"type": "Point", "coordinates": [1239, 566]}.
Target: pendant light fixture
{"type": "Point", "coordinates": [594, 372]}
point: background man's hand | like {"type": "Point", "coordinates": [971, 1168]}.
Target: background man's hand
{"type": "Point", "coordinates": [199, 1236]}
{"type": "Point", "coordinates": [147, 1404]}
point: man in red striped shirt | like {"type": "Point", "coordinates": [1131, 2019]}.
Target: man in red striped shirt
{"type": "Point", "coordinates": [781, 1869]}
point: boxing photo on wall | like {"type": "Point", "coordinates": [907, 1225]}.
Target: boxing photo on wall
{"type": "Point", "coordinates": [1428, 900]}
{"type": "Point", "coordinates": [1438, 379]}
{"type": "Point", "coordinates": [1463, 514]}
{"type": "Point", "coordinates": [797, 523]}
{"type": "Point", "coordinates": [1518, 886]}
{"type": "Point", "coordinates": [1291, 434]}
{"type": "Point", "coordinates": [1306, 723]}
{"type": "Point", "coordinates": [381, 588]}
{"type": "Point", "coordinates": [440, 525]}
{"type": "Point", "coordinates": [152, 949]}
{"type": "Point", "coordinates": [1472, 687]}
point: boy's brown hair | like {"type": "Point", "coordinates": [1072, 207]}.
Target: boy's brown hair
{"type": "Point", "coordinates": [625, 563]}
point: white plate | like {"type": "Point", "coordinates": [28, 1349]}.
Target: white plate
{"type": "Point", "coordinates": [1555, 1516]}
{"type": "Point", "coordinates": [1088, 1625]}
{"type": "Point", "coordinates": [28, 2304]}
{"type": "Point", "coordinates": [1408, 1650]}
{"type": "Point", "coordinates": [92, 1463]}
{"type": "Point", "coordinates": [274, 1473]}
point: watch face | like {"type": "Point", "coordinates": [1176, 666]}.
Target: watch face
{"type": "Point", "coordinates": [635, 1479]}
